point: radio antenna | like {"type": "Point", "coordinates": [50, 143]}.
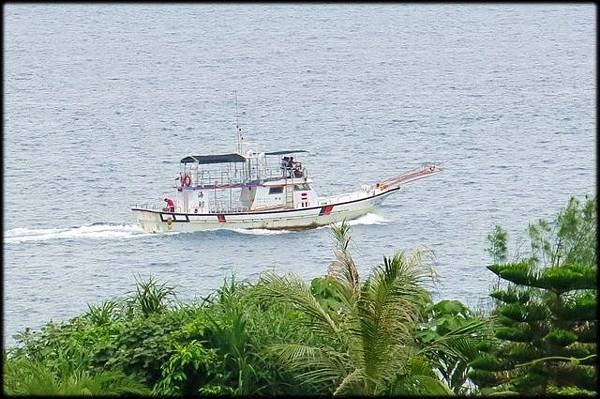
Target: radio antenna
{"type": "Point", "coordinates": [237, 126]}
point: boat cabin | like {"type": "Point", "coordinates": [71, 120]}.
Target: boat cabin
{"type": "Point", "coordinates": [230, 183]}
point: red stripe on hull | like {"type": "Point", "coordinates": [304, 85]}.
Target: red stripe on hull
{"type": "Point", "coordinates": [326, 210]}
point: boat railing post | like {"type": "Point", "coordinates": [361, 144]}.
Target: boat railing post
{"type": "Point", "coordinates": [230, 196]}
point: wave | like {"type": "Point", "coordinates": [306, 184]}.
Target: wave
{"type": "Point", "coordinates": [103, 231]}
{"type": "Point", "coordinates": [369, 218]}
{"type": "Point", "coordinates": [260, 232]}
{"type": "Point", "coordinates": [108, 231]}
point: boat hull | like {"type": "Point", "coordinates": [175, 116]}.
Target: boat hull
{"type": "Point", "coordinates": [156, 221]}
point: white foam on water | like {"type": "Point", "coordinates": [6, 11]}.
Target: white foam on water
{"type": "Point", "coordinates": [108, 231]}
{"type": "Point", "coordinates": [369, 218]}
{"type": "Point", "coordinates": [261, 232]}
{"type": "Point", "coordinates": [94, 231]}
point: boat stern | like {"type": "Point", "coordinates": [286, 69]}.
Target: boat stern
{"type": "Point", "coordinates": [149, 220]}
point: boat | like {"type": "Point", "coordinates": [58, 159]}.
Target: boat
{"type": "Point", "coordinates": [246, 189]}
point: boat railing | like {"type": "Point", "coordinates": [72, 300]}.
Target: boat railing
{"type": "Point", "coordinates": [155, 207]}
{"type": "Point", "coordinates": [225, 207]}
{"type": "Point", "coordinates": [215, 207]}
{"type": "Point", "coordinates": [226, 178]}
{"type": "Point", "coordinates": [346, 197]}
{"type": "Point", "coordinates": [209, 178]}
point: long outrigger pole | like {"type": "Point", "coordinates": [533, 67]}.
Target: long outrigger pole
{"type": "Point", "coordinates": [394, 182]}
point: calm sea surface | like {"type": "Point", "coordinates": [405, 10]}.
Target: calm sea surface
{"type": "Point", "coordinates": [102, 101]}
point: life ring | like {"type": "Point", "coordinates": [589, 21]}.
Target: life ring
{"type": "Point", "coordinates": [187, 181]}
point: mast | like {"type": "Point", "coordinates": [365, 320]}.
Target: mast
{"type": "Point", "coordinates": [237, 127]}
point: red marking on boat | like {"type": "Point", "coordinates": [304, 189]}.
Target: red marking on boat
{"type": "Point", "coordinates": [221, 218]}
{"type": "Point", "coordinates": [326, 210]}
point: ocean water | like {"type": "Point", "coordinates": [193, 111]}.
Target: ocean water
{"type": "Point", "coordinates": [102, 101]}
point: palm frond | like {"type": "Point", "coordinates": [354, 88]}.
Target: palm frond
{"type": "Point", "coordinates": [412, 384]}
{"type": "Point", "coordinates": [458, 343]}
{"type": "Point", "coordinates": [322, 373]}
{"type": "Point", "coordinates": [343, 268]}
{"type": "Point", "coordinates": [392, 299]}
{"type": "Point", "coordinates": [350, 383]}
{"type": "Point", "coordinates": [292, 290]}
{"type": "Point", "coordinates": [294, 354]}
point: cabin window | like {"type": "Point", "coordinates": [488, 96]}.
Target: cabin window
{"type": "Point", "coordinates": [275, 190]}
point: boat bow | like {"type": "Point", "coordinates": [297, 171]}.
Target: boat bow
{"type": "Point", "coordinates": [392, 183]}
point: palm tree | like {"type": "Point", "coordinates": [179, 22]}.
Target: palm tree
{"type": "Point", "coordinates": [372, 346]}
{"type": "Point", "coordinates": [23, 376]}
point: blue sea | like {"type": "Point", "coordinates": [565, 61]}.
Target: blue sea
{"type": "Point", "coordinates": [101, 101]}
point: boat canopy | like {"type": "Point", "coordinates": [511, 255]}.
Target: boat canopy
{"type": "Point", "coordinates": [204, 159]}
{"type": "Point", "coordinates": [224, 158]}
{"type": "Point", "coordinates": [284, 152]}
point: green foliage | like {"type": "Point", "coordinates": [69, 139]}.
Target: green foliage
{"type": "Point", "coordinates": [223, 347]}
{"type": "Point", "coordinates": [569, 391]}
{"type": "Point", "coordinates": [342, 335]}
{"type": "Point", "coordinates": [577, 307]}
{"type": "Point", "coordinates": [570, 238]}
{"type": "Point", "coordinates": [485, 345]}
{"type": "Point", "coordinates": [487, 363]}
{"type": "Point", "coordinates": [323, 288]}
{"type": "Point", "coordinates": [568, 277]}
{"type": "Point", "coordinates": [587, 333]}
{"type": "Point", "coordinates": [371, 327]}
{"type": "Point", "coordinates": [102, 314]}
{"type": "Point", "coordinates": [143, 345]}
{"type": "Point", "coordinates": [22, 376]}
{"type": "Point", "coordinates": [519, 352]}
{"type": "Point", "coordinates": [150, 297]}
{"type": "Point", "coordinates": [187, 369]}
{"type": "Point", "coordinates": [498, 244]}
{"type": "Point", "coordinates": [518, 273]}
{"type": "Point", "coordinates": [453, 327]}
{"type": "Point", "coordinates": [514, 334]}
{"type": "Point", "coordinates": [546, 311]}
{"type": "Point", "coordinates": [482, 377]}
{"type": "Point", "coordinates": [530, 312]}
{"type": "Point", "coordinates": [512, 295]}
{"type": "Point", "coordinates": [560, 337]}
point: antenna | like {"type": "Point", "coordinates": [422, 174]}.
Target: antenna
{"type": "Point", "coordinates": [237, 127]}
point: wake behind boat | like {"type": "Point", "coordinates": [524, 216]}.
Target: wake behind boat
{"type": "Point", "coordinates": [260, 190]}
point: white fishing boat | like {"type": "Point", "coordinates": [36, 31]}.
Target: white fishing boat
{"type": "Point", "coordinates": [260, 190]}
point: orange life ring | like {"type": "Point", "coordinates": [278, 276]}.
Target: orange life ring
{"type": "Point", "coordinates": [187, 181]}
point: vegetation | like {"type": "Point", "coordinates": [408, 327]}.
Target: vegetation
{"type": "Point", "coordinates": [370, 328]}
{"type": "Point", "coordinates": [342, 334]}
{"type": "Point", "coordinates": [547, 320]}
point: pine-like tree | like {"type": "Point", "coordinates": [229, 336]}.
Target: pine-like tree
{"type": "Point", "coordinates": [545, 325]}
